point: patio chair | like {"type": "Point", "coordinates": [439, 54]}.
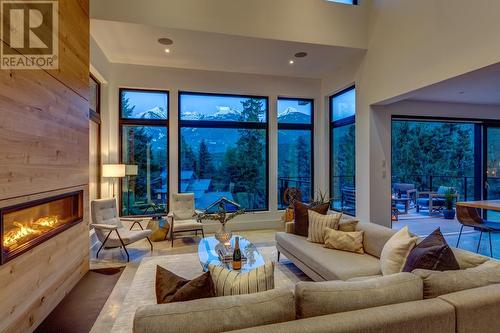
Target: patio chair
{"type": "Point", "coordinates": [183, 216]}
{"type": "Point", "coordinates": [434, 201]}
{"type": "Point", "coordinates": [407, 190]}
{"type": "Point", "coordinates": [110, 230]}
{"type": "Point", "coordinates": [469, 217]}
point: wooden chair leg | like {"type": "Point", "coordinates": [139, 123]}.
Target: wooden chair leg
{"type": "Point", "coordinates": [172, 239]}
{"type": "Point", "coordinates": [202, 233]}
{"type": "Point", "coordinates": [279, 253]}
{"type": "Point", "coordinates": [460, 234]}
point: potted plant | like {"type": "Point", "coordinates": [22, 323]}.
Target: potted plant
{"type": "Point", "coordinates": [448, 211]}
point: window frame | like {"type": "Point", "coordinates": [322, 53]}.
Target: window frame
{"type": "Point", "coordinates": [296, 126]}
{"type": "Point", "coordinates": [222, 124]}
{"type": "Point", "coordinates": [337, 124]}
{"type": "Point", "coordinates": [143, 122]}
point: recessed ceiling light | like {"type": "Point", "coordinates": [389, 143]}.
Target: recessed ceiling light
{"type": "Point", "coordinates": [167, 50]}
{"type": "Point", "coordinates": [300, 54]}
{"type": "Point", "coordinates": [291, 62]}
{"type": "Point", "coordinates": [165, 41]}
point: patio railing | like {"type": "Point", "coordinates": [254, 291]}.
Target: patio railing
{"type": "Point", "coordinates": [463, 184]}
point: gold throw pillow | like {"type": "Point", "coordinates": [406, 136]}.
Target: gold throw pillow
{"type": "Point", "coordinates": [351, 241]}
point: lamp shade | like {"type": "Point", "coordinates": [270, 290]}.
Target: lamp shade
{"type": "Point", "coordinates": [131, 170]}
{"type": "Point", "coordinates": [113, 170]}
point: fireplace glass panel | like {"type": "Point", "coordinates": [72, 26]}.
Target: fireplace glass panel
{"type": "Point", "coordinates": [27, 225]}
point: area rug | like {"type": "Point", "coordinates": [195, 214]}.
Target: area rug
{"type": "Point", "coordinates": [142, 291]}
{"type": "Point", "coordinates": [78, 311]}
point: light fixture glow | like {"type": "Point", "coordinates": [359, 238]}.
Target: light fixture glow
{"type": "Point", "coordinates": [291, 62]}
{"type": "Point", "coordinates": [167, 50]}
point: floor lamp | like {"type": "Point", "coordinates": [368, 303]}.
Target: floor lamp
{"type": "Point", "coordinates": [113, 171]}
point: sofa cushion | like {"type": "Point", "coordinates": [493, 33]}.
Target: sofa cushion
{"type": "Point", "coordinates": [375, 237]}
{"type": "Point", "coordinates": [318, 224]}
{"type": "Point", "coordinates": [320, 298]}
{"type": "Point", "coordinates": [217, 314]}
{"type": "Point", "coordinates": [346, 241]}
{"type": "Point", "coordinates": [440, 283]}
{"type": "Point", "coordinates": [231, 282]}
{"type": "Point", "coordinates": [173, 288]}
{"type": "Point", "coordinates": [476, 309]}
{"type": "Point", "coordinates": [395, 251]}
{"type": "Point", "coordinates": [467, 259]}
{"type": "Point", "coordinates": [432, 253]}
{"type": "Point", "coordinates": [329, 264]}
{"type": "Point", "coordinates": [301, 217]}
{"type": "Point", "coordinates": [429, 316]}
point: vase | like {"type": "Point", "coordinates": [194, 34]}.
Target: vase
{"type": "Point", "coordinates": [223, 235]}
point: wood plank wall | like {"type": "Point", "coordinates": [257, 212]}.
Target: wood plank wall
{"type": "Point", "coordinates": [44, 142]}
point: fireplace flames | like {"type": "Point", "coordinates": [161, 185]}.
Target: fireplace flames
{"type": "Point", "coordinates": [24, 232]}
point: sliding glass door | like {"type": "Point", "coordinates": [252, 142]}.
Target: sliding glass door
{"type": "Point", "coordinates": [492, 166]}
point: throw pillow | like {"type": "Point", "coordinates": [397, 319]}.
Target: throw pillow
{"type": "Point", "coordinates": [395, 252]}
{"type": "Point", "coordinates": [345, 241]}
{"type": "Point", "coordinates": [301, 221]}
{"type": "Point", "coordinates": [440, 283]}
{"type": "Point", "coordinates": [318, 223]}
{"type": "Point", "coordinates": [432, 253]}
{"type": "Point", "coordinates": [348, 225]}
{"type": "Point", "coordinates": [230, 282]}
{"type": "Point", "coordinates": [173, 288]}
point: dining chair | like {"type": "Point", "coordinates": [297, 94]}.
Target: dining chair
{"type": "Point", "coordinates": [469, 217]}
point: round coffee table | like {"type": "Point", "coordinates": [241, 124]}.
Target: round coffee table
{"type": "Point", "coordinates": [208, 253]}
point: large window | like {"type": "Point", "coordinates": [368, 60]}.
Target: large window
{"type": "Point", "coordinates": [343, 153]}
{"type": "Point", "coordinates": [144, 149]}
{"type": "Point", "coordinates": [295, 137]}
{"type": "Point", "coordinates": [223, 149]}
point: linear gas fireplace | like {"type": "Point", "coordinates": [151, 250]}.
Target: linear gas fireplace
{"type": "Point", "coordinates": [26, 225]}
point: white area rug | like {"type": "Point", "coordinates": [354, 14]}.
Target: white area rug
{"type": "Point", "coordinates": [142, 290]}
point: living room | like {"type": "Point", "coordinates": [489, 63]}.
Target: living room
{"type": "Point", "coordinates": [267, 166]}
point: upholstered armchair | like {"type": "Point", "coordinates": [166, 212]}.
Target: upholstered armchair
{"type": "Point", "coordinates": [110, 230]}
{"type": "Point", "coordinates": [434, 201]}
{"type": "Point", "coordinates": [183, 216]}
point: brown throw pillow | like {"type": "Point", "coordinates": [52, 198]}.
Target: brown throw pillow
{"type": "Point", "coordinates": [433, 253]}
{"type": "Point", "coordinates": [301, 222]}
{"type": "Point", "coordinates": [173, 288]}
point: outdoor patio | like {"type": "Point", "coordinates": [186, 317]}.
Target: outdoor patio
{"type": "Point", "coordinates": [422, 225]}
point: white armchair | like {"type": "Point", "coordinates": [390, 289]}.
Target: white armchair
{"type": "Point", "coordinates": [109, 228]}
{"type": "Point", "coordinates": [183, 216]}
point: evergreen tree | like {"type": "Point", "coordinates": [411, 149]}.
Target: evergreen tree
{"type": "Point", "coordinates": [251, 154]}
{"type": "Point", "coordinates": [205, 167]}
{"type": "Point", "coordinates": [304, 165]}
{"type": "Point", "coordinates": [188, 158]}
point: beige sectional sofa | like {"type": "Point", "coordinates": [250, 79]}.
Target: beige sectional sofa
{"type": "Point", "coordinates": [367, 303]}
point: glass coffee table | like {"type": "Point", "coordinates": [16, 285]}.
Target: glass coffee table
{"type": "Point", "coordinates": [208, 253]}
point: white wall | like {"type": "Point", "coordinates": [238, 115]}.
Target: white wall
{"type": "Point", "coordinates": [174, 80]}
{"type": "Point", "coordinates": [309, 21]}
{"type": "Point", "coordinates": [413, 44]}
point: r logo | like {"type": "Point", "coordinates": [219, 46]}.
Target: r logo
{"type": "Point", "coordinates": [30, 34]}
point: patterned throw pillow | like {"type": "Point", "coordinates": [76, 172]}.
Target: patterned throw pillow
{"type": "Point", "coordinates": [348, 225]}
{"type": "Point", "coordinates": [318, 223]}
{"type": "Point", "coordinates": [345, 241]}
{"type": "Point", "coordinates": [229, 282]}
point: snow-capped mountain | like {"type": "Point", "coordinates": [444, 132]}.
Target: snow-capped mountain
{"type": "Point", "coordinates": [292, 115]}
{"type": "Point", "coordinates": [154, 113]}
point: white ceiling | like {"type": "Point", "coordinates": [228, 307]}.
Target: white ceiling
{"type": "Point", "coordinates": [481, 86]}
{"type": "Point", "coordinates": [137, 44]}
